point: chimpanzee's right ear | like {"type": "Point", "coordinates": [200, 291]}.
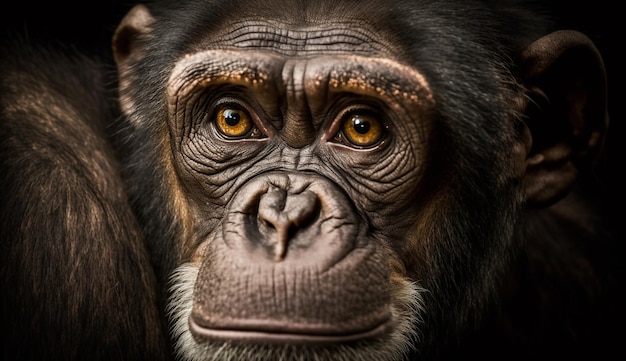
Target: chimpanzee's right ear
{"type": "Point", "coordinates": [128, 48]}
{"type": "Point", "coordinates": [136, 23]}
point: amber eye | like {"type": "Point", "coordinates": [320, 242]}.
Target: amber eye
{"type": "Point", "coordinates": [233, 122]}
{"type": "Point", "coordinates": [362, 130]}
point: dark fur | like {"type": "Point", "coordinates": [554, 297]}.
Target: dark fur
{"type": "Point", "coordinates": [77, 278]}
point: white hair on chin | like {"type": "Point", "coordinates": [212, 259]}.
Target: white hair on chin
{"type": "Point", "coordinates": [406, 312]}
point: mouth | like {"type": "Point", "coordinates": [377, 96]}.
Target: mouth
{"type": "Point", "coordinates": [383, 339]}
{"type": "Point", "coordinates": [272, 332]}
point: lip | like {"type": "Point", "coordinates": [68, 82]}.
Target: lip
{"type": "Point", "coordinates": [287, 334]}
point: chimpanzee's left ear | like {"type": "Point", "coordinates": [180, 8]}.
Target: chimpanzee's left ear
{"type": "Point", "coordinates": [566, 115]}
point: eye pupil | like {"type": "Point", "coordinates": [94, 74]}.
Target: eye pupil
{"type": "Point", "coordinates": [360, 125]}
{"type": "Point", "coordinates": [231, 117]}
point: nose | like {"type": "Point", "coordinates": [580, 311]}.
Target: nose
{"type": "Point", "coordinates": [281, 215]}
{"type": "Point", "coordinates": [298, 220]}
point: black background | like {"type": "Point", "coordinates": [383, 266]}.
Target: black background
{"type": "Point", "coordinates": [89, 26]}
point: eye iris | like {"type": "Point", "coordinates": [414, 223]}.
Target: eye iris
{"type": "Point", "coordinates": [233, 122]}
{"type": "Point", "coordinates": [362, 130]}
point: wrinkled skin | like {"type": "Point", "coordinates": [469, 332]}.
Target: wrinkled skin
{"type": "Point", "coordinates": [321, 183]}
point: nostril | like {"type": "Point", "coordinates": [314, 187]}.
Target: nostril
{"type": "Point", "coordinates": [291, 232]}
{"type": "Point", "coordinates": [268, 224]}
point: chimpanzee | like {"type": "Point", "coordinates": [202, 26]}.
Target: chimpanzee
{"type": "Point", "coordinates": [308, 180]}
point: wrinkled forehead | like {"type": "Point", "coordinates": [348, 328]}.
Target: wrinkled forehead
{"type": "Point", "coordinates": [340, 36]}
